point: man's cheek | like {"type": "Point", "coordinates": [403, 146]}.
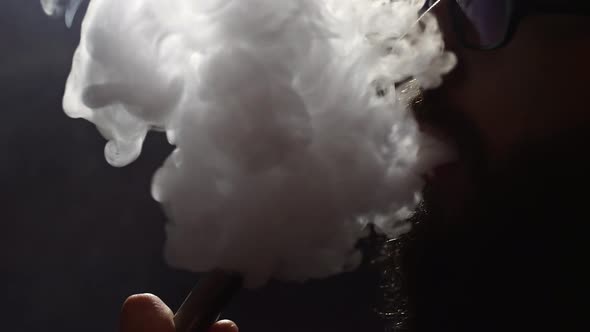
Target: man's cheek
{"type": "Point", "coordinates": [442, 14]}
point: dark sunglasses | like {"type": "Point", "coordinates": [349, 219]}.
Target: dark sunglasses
{"type": "Point", "coordinates": [491, 24]}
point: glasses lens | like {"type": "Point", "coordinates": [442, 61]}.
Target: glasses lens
{"type": "Point", "coordinates": [482, 23]}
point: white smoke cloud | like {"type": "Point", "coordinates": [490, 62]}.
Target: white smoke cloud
{"type": "Point", "coordinates": [67, 8]}
{"type": "Point", "coordinates": [284, 152]}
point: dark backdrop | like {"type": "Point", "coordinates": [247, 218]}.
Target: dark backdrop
{"type": "Point", "coordinates": [498, 250]}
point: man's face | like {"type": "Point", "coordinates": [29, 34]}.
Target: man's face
{"type": "Point", "coordinates": [503, 219]}
{"type": "Point", "coordinates": [497, 104]}
{"type": "Point", "coordinates": [528, 90]}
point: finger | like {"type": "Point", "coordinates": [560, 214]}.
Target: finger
{"type": "Point", "coordinates": [146, 313]}
{"type": "Point", "coordinates": [224, 326]}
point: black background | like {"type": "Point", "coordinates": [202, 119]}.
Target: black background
{"type": "Point", "coordinates": [78, 236]}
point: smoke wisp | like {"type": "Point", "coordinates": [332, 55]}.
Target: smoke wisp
{"type": "Point", "coordinates": [284, 152]}
{"type": "Point", "coordinates": [57, 8]}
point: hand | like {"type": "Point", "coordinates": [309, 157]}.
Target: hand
{"type": "Point", "coordinates": [147, 313]}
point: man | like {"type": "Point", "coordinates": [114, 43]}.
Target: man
{"type": "Point", "coordinates": [500, 246]}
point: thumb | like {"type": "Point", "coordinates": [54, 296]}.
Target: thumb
{"type": "Point", "coordinates": [224, 326]}
{"type": "Point", "coordinates": [146, 313]}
